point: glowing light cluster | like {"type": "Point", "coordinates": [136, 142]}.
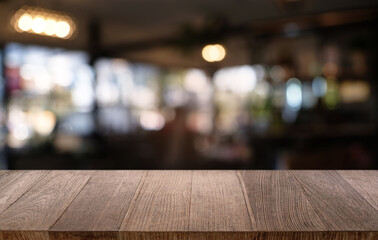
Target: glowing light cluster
{"type": "Point", "coordinates": [43, 22]}
{"type": "Point", "coordinates": [213, 53]}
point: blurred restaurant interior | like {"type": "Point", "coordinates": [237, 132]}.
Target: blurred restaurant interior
{"type": "Point", "coordinates": [137, 84]}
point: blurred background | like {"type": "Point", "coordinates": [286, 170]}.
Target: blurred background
{"type": "Point", "coordinates": [164, 84]}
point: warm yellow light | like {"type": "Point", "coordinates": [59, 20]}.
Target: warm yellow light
{"type": "Point", "coordinates": [213, 53]}
{"type": "Point", "coordinates": [25, 22]}
{"type": "Point", "coordinates": [51, 27]}
{"type": "Point", "coordinates": [39, 24]}
{"type": "Point", "coordinates": [63, 29]}
{"type": "Point", "coordinates": [43, 22]}
{"type": "Point", "coordinates": [44, 122]}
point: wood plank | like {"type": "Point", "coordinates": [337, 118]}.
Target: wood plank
{"type": "Point", "coordinates": [278, 203]}
{"type": "Point", "coordinates": [162, 203]}
{"type": "Point", "coordinates": [339, 206]}
{"type": "Point", "coordinates": [282, 235]}
{"type": "Point", "coordinates": [43, 204]}
{"type": "Point", "coordinates": [94, 235]}
{"type": "Point", "coordinates": [13, 184]}
{"type": "Point", "coordinates": [25, 235]}
{"type": "Point", "coordinates": [188, 205]}
{"type": "Point", "coordinates": [254, 236]}
{"type": "Point", "coordinates": [155, 236]}
{"type": "Point", "coordinates": [217, 202]}
{"type": "Point", "coordinates": [199, 236]}
{"type": "Point", "coordinates": [365, 183]}
{"type": "Point", "coordinates": [102, 204]}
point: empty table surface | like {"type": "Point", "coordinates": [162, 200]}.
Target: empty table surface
{"type": "Point", "coordinates": [188, 205]}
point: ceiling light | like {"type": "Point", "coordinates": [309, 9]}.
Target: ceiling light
{"type": "Point", "coordinates": [43, 22]}
{"type": "Point", "coordinates": [63, 29]}
{"type": "Point", "coordinates": [51, 27]}
{"type": "Point", "coordinates": [213, 53]}
{"type": "Point", "coordinates": [25, 22]}
{"type": "Point", "coordinates": [38, 25]}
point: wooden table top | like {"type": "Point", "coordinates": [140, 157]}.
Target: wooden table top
{"type": "Point", "coordinates": [146, 205]}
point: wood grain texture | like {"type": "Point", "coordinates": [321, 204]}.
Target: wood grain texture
{"type": "Point", "coordinates": [252, 236]}
{"type": "Point", "coordinates": [278, 203]}
{"type": "Point", "coordinates": [283, 236]}
{"type": "Point", "coordinates": [217, 202]}
{"type": "Point", "coordinates": [13, 184]}
{"type": "Point", "coordinates": [93, 235]}
{"type": "Point", "coordinates": [43, 204]}
{"type": "Point", "coordinates": [365, 183]}
{"type": "Point", "coordinates": [154, 236]}
{"type": "Point", "coordinates": [188, 205]}
{"type": "Point", "coordinates": [102, 204]}
{"type": "Point", "coordinates": [339, 206]}
{"type": "Point", "coordinates": [25, 235]}
{"type": "Point", "coordinates": [161, 203]}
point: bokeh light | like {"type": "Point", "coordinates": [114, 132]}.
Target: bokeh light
{"type": "Point", "coordinates": [195, 80]}
{"type": "Point", "coordinates": [213, 53]}
{"type": "Point", "coordinates": [63, 29]}
{"type": "Point", "coordinates": [43, 22]}
{"type": "Point", "coordinates": [240, 79]}
{"type": "Point", "coordinates": [294, 93]}
{"type": "Point", "coordinates": [151, 120]}
{"type": "Point", "coordinates": [331, 98]}
{"type": "Point", "coordinates": [51, 27]}
{"type": "Point", "coordinates": [38, 25]}
{"type": "Point", "coordinates": [354, 91]}
{"type": "Point", "coordinates": [309, 99]}
{"type": "Point", "coordinates": [44, 122]}
{"type": "Point", "coordinates": [25, 22]}
{"type": "Point", "coordinates": [319, 86]}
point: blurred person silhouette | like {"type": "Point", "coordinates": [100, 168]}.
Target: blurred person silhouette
{"type": "Point", "coordinates": [179, 147]}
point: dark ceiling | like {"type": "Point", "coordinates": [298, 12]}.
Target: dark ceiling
{"type": "Point", "coordinates": [143, 30]}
